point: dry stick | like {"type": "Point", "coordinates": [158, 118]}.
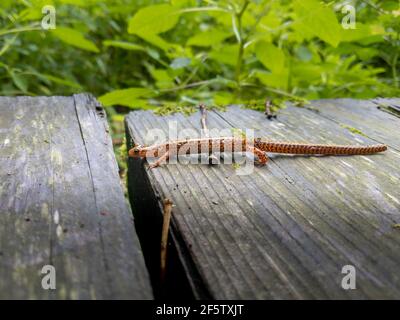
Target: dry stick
{"type": "Point", "coordinates": [167, 208]}
{"type": "Point", "coordinates": [268, 111]}
{"type": "Point", "coordinates": [212, 159]}
{"type": "Point", "coordinates": [203, 120]}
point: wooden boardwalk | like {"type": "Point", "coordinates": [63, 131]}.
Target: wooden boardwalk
{"type": "Point", "coordinates": [61, 204]}
{"type": "Point", "coordinates": [286, 230]}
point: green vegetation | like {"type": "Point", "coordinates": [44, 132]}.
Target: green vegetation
{"type": "Point", "coordinates": [171, 55]}
{"type": "Point", "coordinates": [144, 53]}
{"type": "Point", "coordinates": [353, 130]}
{"type": "Point", "coordinates": [155, 53]}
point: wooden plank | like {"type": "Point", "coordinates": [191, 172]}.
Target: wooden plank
{"type": "Point", "coordinates": [364, 116]}
{"type": "Point", "coordinates": [285, 230]}
{"type": "Point", "coordinates": [61, 204]}
{"type": "Point", "coordinates": [391, 106]}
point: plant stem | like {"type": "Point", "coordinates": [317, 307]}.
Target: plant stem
{"type": "Point", "coordinates": [239, 64]}
{"type": "Point", "coordinates": [241, 41]}
{"type": "Point", "coordinates": [190, 85]}
{"type": "Point", "coordinates": [394, 70]}
{"type": "Point", "coordinates": [21, 29]}
{"type": "Point", "coordinates": [277, 91]}
{"type": "Point", "coordinates": [395, 59]}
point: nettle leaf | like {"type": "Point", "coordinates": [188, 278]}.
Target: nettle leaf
{"type": "Point", "coordinates": [270, 56]}
{"type": "Point", "coordinates": [153, 19]}
{"type": "Point", "coordinates": [123, 45]}
{"type": "Point", "coordinates": [124, 97]}
{"type": "Point", "coordinates": [319, 20]}
{"type": "Point", "coordinates": [74, 38]}
{"type": "Point", "coordinates": [208, 38]}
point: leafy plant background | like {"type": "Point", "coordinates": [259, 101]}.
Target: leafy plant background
{"type": "Point", "coordinates": [171, 55]}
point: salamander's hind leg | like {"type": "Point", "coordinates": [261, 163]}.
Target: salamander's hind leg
{"type": "Point", "coordinates": [262, 157]}
{"type": "Point", "coordinates": [160, 160]}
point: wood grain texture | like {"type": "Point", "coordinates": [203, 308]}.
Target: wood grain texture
{"type": "Point", "coordinates": [61, 203]}
{"type": "Point", "coordinates": [389, 105]}
{"type": "Point", "coordinates": [286, 230]}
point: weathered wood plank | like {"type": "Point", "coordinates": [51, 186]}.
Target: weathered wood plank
{"type": "Point", "coordinates": [363, 115]}
{"type": "Point", "coordinates": [61, 203]}
{"type": "Point", "coordinates": [391, 105]}
{"type": "Point", "coordinates": [285, 230]}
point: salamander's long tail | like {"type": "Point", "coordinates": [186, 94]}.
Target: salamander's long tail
{"type": "Point", "coordinates": [298, 148]}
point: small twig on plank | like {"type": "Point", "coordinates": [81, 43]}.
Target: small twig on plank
{"type": "Point", "coordinates": [167, 208]}
{"type": "Point", "coordinates": [212, 159]}
{"type": "Point", "coordinates": [203, 120]}
{"type": "Point", "coordinates": [268, 110]}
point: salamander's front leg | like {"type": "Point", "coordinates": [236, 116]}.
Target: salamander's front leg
{"type": "Point", "coordinates": [262, 157]}
{"type": "Point", "coordinates": [160, 160]}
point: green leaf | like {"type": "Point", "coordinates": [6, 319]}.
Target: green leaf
{"type": "Point", "coordinates": [223, 17]}
{"type": "Point", "coordinates": [34, 11]}
{"type": "Point", "coordinates": [362, 31]}
{"type": "Point", "coordinates": [74, 38]}
{"type": "Point", "coordinates": [390, 5]}
{"type": "Point", "coordinates": [208, 38]}
{"type": "Point", "coordinates": [156, 41]}
{"type": "Point", "coordinates": [81, 3]}
{"type": "Point", "coordinates": [163, 79]}
{"type": "Point", "coordinates": [270, 21]}
{"type": "Point", "coordinates": [123, 45]}
{"type": "Point", "coordinates": [7, 44]}
{"type": "Point", "coordinates": [183, 3]}
{"type": "Point", "coordinates": [226, 54]}
{"type": "Point", "coordinates": [306, 73]}
{"type": "Point", "coordinates": [270, 56]}
{"type": "Point", "coordinates": [19, 81]}
{"type": "Point", "coordinates": [124, 97]}
{"type": "Point", "coordinates": [274, 80]}
{"type": "Point", "coordinates": [64, 82]}
{"type": "Point", "coordinates": [222, 98]}
{"type": "Point", "coordinates": [118, 117]}
{"type": "Point", "coordinates": [319, 20]}
{"type": "Point", "coordinates": [153, 19]}
{"type": "Point", "coordinates": [31, 14]}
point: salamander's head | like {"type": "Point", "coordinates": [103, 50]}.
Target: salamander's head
{"type": "Point", "coordinates": [137, 152]}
